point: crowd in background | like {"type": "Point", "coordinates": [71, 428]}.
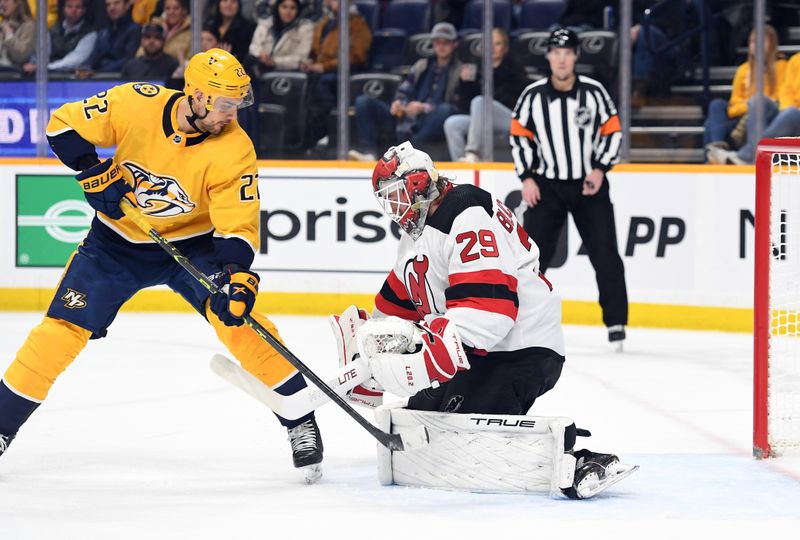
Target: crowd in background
{"type": "Point", "coordinates": [439, 98]}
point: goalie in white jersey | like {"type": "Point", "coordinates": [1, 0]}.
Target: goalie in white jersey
{"type": "Point", "coordinates": [465, 322]}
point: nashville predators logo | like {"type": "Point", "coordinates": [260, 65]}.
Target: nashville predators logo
{"type": "Point", "coordinates": [158, 196]}
{"type": "Point", "coordinates": [74, 299]}
{"type": "Point", "coordinates": [146, 89]}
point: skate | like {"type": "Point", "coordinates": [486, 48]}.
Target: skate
{"type": "Point", "coordinates": [595, 473]}
{"type": "Point", "coordinates": [307, 449]}
{"type": "Point", "coordinates": [4, 442]}
{"type": "Point", "coordinates": [616, 336]}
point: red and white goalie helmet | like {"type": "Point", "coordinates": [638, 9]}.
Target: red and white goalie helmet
{"type": "Point", "coordinates": [405, 184]}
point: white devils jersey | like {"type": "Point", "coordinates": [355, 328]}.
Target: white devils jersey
{"type": "Point", "coordinates": [475, 264]}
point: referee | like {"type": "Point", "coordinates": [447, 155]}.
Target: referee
{"type": "Point", "coordinates": [565, 135]}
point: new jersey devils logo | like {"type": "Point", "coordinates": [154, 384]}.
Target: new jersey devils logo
{"type": "Point", "coordinates": [419, 290]}
{"type": "Point", "coordinates": [158, 196]}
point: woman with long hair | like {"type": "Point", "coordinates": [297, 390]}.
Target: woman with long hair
{"type": "Point", "coordinates": [727, 121]}
{"type": "Point", "coordinates": [225, 16]}
{"type": "Point", "coordinates": [282, 40]}
{"type": "Point", "coordinates": [17, 34]}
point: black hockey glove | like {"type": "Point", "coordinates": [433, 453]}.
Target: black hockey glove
{"type": "Point", "coordinates": [103, 186]}
{"type": "Point", "coordinates": [237, 295]}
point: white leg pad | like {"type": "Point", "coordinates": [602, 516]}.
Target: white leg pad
{"type": "Point", "coordinates": [478, 452]}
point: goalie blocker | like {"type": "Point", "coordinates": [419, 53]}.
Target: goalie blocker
{"type": "Point", "coordinates": [495, 453]}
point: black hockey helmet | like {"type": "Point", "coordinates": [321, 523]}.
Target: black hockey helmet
{"type": "Point", "coordinates": [563, 38]}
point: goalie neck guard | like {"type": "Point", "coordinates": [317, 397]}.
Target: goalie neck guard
{"type": "Point", "coordinates": [405, 183]}
{"type": "Point", "coordinates": [221, 78]}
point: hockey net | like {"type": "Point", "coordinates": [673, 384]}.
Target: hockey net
{"type": "Point", "coordinates": [776, 395]}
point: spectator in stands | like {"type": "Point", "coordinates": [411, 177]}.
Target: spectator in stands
{"type": "Point", "coordinates": [425, 99]}
{"type": "Point", "coordinates": [324, 61]}
{"type": "Point", "coordinates": [209, 39]}
{"type": "Point", "coordinates": [17, 34]}
{"type": "Point", "coordinates": [154, 64]}
{"type": "Point", "coordinates": [282, 40]}
{"type": "Point", "coordinates": [781, 119]}
{"type": "Point", "coordinates": [116, 43]}
{"type": "Point", "coordinates": [727, 121]}
{"type": "Point", "coordinates": [225, 16]}
{"type": "Point", "coordinates": [176, 23]}
{"type": "Point", "coordinates": [649, 70]}
{"type": "Point", "coordinates": [451, 11]}
{"type": "Point", "coordinates": [72, 39]}
{"type": "Point", "coordinates": [464, 132]}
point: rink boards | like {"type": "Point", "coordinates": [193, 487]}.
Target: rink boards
{"type": "Point", "coordinates": [685, 234]}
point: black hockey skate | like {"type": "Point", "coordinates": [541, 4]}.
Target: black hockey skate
{"type": "Point", "coordinates": [5, 440]}
{"type": "Point", "coordinates": [596, 472]}
{"type": "Point", "coordinates": [307, 449]}
{"type": "Point", "coordinates": [616, 335]}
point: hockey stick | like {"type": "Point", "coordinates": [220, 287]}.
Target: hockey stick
{"type": "Point", "coordinates": [298, 404]}
{"type": "Point", "coordinates": [392, 441]}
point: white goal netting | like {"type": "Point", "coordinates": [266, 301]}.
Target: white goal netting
{"type": "Point", "coordinates": [784, 304]}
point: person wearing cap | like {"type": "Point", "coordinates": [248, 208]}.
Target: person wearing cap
{"type": "Point", "coordinates": [565, 136]}
{"type": "Point", "coordinates": [188, 168]}
{"type": "Point", "coordinates": [155, 64]}
{"type": "Point", "coordinates": [116, 43]}
{"type": "Point", "coordinates": [425, 99]}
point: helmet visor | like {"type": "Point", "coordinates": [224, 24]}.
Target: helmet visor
{"type": "Point", "coordinates": [228, 104]}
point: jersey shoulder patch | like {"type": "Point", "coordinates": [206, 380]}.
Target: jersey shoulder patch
{"type": "Point", "coordinates": [460, 198]}
{"type": "Point", "coordinates": [146, 89]}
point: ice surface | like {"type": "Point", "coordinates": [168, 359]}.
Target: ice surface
{"type": "Point", "coordinates": [138, 439]}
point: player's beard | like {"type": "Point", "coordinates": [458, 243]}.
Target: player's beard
{"type": "Point", "coordinates": [212, 127]}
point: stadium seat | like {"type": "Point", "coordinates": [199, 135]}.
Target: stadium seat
{"type": "Point", "coordinates": [377, 85]}
{"type": "Point", "coordinates": [287, 90]}
{"type": "Point", "coordinates": [388, 49]}
{"type": "Point", "coordinates": [540, 14]}
{"type": "Point", "coordinates": [530, 48]}
{"type": "Point", "coordinates": [371, 11]}
{"type": "Point", "coordinates": [470, 48]}
{"type": "Point", "coordinates": [473, 15]}
{"type": "Point", "coordinates": [413, 16]}
{"type": "Point", "coordinates": [598, 58]}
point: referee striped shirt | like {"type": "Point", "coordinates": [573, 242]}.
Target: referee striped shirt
{"type": "Point", "coordinates": [564, 135]}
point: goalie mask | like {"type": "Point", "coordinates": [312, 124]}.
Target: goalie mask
{"type": "Point", "coordinates": [405, 183]}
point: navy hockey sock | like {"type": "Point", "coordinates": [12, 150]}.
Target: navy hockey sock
{"type": "Point", "coordinates": [14, 410]}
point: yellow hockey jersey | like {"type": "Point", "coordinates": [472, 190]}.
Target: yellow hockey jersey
{"type": "Point", "coordinates": [186, 184]}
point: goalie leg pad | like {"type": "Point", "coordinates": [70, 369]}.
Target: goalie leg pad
{"type": "Point", "coordinates": [345, 332]}
{"type": "Point", "coordinates": [479, 452]}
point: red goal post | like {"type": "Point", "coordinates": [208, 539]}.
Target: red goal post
{"type": "Point", "coordinates": [776, 333]}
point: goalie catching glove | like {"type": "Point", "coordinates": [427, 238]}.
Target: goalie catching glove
{"type": "Point", "coordinates": [406, 357]}
{"type": "Point", "coordinates": [237, 295]}
{"type": "Point", "coordinates": [345, 328]}
{"type": "Point", "coordinates": [104, 186]}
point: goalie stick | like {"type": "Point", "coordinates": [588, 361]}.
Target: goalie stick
{"type": "Point", "coordinates": [392, 441]}
{"type": "Point", "coordinates": [298, 404]}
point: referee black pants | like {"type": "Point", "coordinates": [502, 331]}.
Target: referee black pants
{"type": "Point", "coordinates": [594, 218]}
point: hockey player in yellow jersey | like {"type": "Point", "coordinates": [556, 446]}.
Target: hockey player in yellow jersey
{"type": "Point", "coordinates": [191, 170]}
